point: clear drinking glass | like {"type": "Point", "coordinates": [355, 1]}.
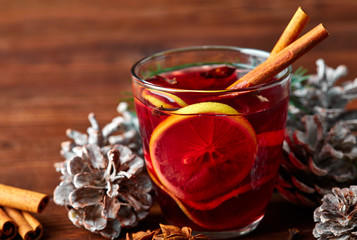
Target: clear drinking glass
{"type": "Point", "coordinates": [213, 154]}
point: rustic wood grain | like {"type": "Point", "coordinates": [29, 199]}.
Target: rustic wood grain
{"type": "Point", "coordinates": [61, 59]}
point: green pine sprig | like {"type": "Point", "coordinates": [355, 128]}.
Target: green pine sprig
{"type": "Point", "coordinates": [298, 77]}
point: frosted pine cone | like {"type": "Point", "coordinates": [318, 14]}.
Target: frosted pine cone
{"type": "Point", "coordinates": [104, 185]}
{"type": "Point", "coordinates": [320, 150]}
{"type": "Point", "coordinates": [125, 127]}
{"type": "Point", "coordinates": [336, 218]}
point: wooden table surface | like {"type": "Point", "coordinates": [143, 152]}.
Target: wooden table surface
{"type": "Point", "coordinates": [61, 59]}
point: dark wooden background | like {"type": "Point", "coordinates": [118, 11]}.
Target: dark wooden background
{"type": "Point", "coordinates": [61, 59]}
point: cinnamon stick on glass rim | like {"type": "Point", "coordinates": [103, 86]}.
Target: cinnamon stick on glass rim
{"type": "Point", "coordinates": [271, 67]}
{"type": "Point", "coordinates": [291, 32]}
{"type": "Point", "coordinates": [22, 199]}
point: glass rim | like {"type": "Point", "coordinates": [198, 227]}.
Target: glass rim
{"type": "Point", "coordinates": [249, 51]}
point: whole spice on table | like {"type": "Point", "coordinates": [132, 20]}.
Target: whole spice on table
{"type": "Point", "coordinates": [36, 227]}
{"type": "Point", "coordinates": [28, 227]}
{"type": "Point", "coordinates": [294, 234]}
{"type": "Point", "coordinates": [8, 228]}
{"type": "Point", "coordinates": [166, 232]}
{"type": "Point", "coordinates": [336, 218]}
{"type": "Point", "coordinates": [104, 184]}
{"type": "Point", "coordinates": [320, 150]}
{"type": "Point", "coordinates": [23, 199]}
{"type": "Point", "coordinates": [14, 218]}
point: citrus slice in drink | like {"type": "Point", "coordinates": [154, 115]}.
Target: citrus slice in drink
{"type": "Point", "coordinates": [202, 153]}
{"type": "Point", "coordinates": [163, 100]}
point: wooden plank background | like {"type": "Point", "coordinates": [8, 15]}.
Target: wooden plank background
{"type": "Point", "coordinates": [61, 59]}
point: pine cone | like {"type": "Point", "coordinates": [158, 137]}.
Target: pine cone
{"type": "Point", "coordinates": [320, 149]}
{"type": "Point", "coordinates": [336, 218]}
{"type": "Point", "coordinates": [104, 185]}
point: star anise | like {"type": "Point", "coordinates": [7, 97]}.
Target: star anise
{"type": "Point", "coordinates": [166, 232]}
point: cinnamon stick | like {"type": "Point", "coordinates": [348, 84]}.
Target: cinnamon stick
{"type": "Point", "coordinates": [24, 228]}
{"type": "Point", "coordinates": [35, 225]}
{"type": "Point", "coordinates": [272, 66]}
{"type": "Point", "coordinates": [22, 199]}
{"type": "Point", "coordinates": [8, 228]}
{"type": "Point", "coordinates": [291, 32]}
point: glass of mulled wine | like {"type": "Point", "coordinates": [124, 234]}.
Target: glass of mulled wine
{"type": "Point", "coordinates": [212, 153]}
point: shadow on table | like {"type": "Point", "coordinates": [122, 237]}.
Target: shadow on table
{"type": "Point", "coordinates": [282, 216]}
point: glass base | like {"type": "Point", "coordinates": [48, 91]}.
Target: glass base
{"type": "Point", "coordinates": [231, 233]}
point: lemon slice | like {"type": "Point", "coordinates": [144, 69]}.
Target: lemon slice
{"type": "Point", "coordinates": [203, 153]}
{"type": "Point", "coordinates": [163, 99]}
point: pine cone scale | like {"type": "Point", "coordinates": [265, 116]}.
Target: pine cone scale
{"type": "Point", "coordinates": [93, 220]}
